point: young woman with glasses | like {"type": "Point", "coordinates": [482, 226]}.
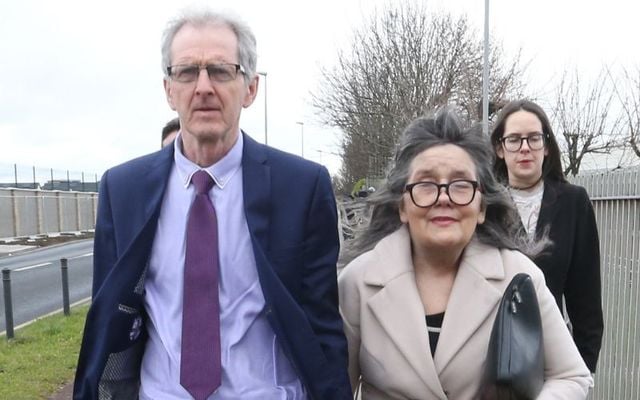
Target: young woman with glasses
{"type": "Point", "coordinates": [528, 163]}
{"type": "Point", "coordinates": [420, 297]}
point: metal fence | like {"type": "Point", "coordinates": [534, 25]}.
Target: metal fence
{"type": "Point", "coordinates": [616, 201]}
{"type": "Point", "coordinates": [31, 177]}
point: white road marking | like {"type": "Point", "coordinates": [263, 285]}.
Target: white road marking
{"type": "Point", "coordinates": [80, 256]}
{"type": "Point", "coordinates": [32, 267]}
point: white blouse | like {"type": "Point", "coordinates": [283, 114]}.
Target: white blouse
{"type": "Point", "coordinates": [528, 203]}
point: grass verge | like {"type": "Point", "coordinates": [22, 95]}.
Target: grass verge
{"type": "Point", "coordinates": [42, 356]}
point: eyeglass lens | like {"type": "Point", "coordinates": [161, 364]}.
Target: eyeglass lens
{"type": "Point", "coordinates": [216, 72]}
{"type": "Point", "coordinates": [514, 142]}
{"type": "Point", "coordinates": [425, 194]}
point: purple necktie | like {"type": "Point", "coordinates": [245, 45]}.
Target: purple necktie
{"type": "Point", "coordinates": [200, 369]}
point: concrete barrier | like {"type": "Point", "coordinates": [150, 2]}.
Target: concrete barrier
{"type": "Point", "coordinates": [26, 212]}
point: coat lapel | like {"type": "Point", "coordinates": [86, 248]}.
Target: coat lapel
{"type": "Point", "coordinates": [127, 274]}
{"type": "Point", "coordinates": [156, 179]}
{"type": "Point", "coordinates": [256, 186]}
{"type": "Point", "coordinates": [398, 308]}
{"type": "Point", "coordinates": [547, 210]}
{"type": "Point", "coordinates": [151, 187]}
{"type": "Point", "coordinates": [473, 299]}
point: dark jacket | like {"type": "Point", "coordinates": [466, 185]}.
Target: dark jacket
{"type": "Point", "coordinates": [571, 265]}
{"type": "Point", "coordinates": [291, 215]}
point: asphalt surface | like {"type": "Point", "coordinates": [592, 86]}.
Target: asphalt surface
{"type": "Point", "coordinates": [36, 283]}
{"type": "Point", "coordinates": [36, 279]}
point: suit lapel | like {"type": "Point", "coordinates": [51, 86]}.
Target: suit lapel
{"type": "Point", "coordinates": [153, 184]}
{"type": "Point", "coordinates": [398, 308]}
{"type": "Point", "coordinates": [256, 187]}
{"type": "Point", "coordinates": [127, 275]}
{"type": "Point", "coordinates": [472, 300]}
{"type": "Point", "coordinates": [151, 187]}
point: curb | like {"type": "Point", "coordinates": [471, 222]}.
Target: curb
{"type": "Point", "coordinates": [58, 311]}
{"type": "Point", "coordinates": [35, 248]}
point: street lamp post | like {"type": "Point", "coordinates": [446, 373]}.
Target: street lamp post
{"type": "Point", "coordinates": [485, 72]}
{"type": "Point", "coordinates": [301, 137]}
{"type": "Point", "coordinates": [330, 153]}
{"type": "Point", "coordinates": [265, 105]}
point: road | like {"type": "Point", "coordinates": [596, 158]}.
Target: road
{"type": "Point", "coordinates": [36, 279]}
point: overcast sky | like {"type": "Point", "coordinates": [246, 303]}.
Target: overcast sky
{"type": "Point", "coordinates": [81, 83]}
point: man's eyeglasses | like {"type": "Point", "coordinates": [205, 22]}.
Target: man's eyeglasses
{"type": "Point", "coordinates": [187, 73]}
{"type": "Point", "coordinates": [513, 143]}
{"type": "Point", "coordinates": [425, 194]}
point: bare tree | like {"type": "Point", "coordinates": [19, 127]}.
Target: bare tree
{"type": "Point", "coordinates": [586, 119]}
{"type": "Point", "coordinates": [401, 64]}
{"type": "Point", "coordinates": [629, 96]}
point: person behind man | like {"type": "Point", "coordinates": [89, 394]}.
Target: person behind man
{"type": "Point", "coordinates": [170, 131]}
{"type": "Point", "coordinates": [528, 163]}
{"type": "Point", "coordinates": [161, 324]}
{"type": "Point", "coordinates": [420, 299]}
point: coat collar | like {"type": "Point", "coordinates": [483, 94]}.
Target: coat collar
{"type": "Point", "coordinates": [394, 259]}
{"type": "Point", "coordinates": [398, 308]}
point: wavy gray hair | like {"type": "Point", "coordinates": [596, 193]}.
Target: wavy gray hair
{"type": "Point", "coordinates": [198, 17]}
{"type": "Point", "coordinates": [501, 227]}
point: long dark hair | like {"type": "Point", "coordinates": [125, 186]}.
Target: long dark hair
{"type": "Point", "coordinates": [552, 164]}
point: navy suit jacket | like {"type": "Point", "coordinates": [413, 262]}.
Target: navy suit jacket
{"type": "Point", "coordinates": [291, 214]}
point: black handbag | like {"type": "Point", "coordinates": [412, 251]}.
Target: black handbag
{"type": "Point", "coordinates": [514, 368]}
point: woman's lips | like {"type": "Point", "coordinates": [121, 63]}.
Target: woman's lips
{"type": "Point", "coordinates": [443, 220]}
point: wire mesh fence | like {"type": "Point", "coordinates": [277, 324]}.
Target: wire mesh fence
{"type": "Point", "coordinates": [616, 200]}
{"type": "Point", "coordinates": [33, 177]}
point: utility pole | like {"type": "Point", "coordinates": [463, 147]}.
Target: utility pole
{"type": "Point", "coordinates": [301, 137]}
{"type": "Point", "coordinates": [485, 72]}
{"type": "Point", "coordinates": [265, 105]}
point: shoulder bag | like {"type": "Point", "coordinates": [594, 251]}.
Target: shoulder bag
{"type": "Point", "coordinates": [514, 367]}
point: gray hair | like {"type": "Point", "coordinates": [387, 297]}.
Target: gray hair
{"type": "Point", "coordinates": [198, 17]}
{"type": "Point", "coordinates": [501, 227]}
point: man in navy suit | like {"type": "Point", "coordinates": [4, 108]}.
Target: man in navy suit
{"type": "Point", "coordinates": [280, 330]}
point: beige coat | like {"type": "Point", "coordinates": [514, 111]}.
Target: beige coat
{"type": "Point", "coordinates": [388, 340]}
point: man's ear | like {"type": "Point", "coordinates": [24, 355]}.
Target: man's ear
{"type": "Point", "coordinates": [168, 93]}
{"type": "Point", "coordinates": [252, 91]}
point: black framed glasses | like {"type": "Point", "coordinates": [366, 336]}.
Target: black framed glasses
{"type": "Point", "coordinates": [187, 73]}
{"type": "Point", "coordinates": [425, 194]}
{"type": "Point", "coordinates": [513, 143]}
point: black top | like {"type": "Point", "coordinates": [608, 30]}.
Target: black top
{"type": "Point", "coordinates": [434, 323]}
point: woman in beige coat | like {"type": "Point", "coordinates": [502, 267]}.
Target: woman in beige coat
{"type": "Point", "coordinates": [420, 299]}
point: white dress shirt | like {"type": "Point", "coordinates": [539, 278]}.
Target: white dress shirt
{"type": "Point", "coordinates": [253, 364]}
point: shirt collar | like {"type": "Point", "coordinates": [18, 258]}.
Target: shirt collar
{"type": "Point", "coordinates": [221, 172]}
